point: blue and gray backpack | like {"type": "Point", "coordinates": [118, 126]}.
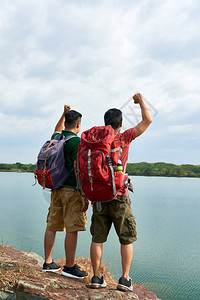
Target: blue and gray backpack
{"type": "Point", "coordinates": [51, 171]}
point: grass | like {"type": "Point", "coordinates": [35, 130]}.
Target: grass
{"type": "Point", "coordinates": [113, 265]}
{"type": "Point", "coordinates": [22, 266]}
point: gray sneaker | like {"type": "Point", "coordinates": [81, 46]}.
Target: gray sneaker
{"type": "Point", "coordinates": [97, 283]}
{"type": "Point", "coordinates": [74, 272]}
{"type": "Point", "coordinates": [52, 267]}
{"type": "Point", "coordinates": [125, 284]}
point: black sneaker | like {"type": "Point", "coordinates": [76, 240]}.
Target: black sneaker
{"type": "Point", "coordinates": [125, 284]}
{"type": "Point", "coordinates": [52, 267]}
{"type": "Point", "coordinates": [74, 272]}
{"type": "Point", "coordinates": [97, 283]}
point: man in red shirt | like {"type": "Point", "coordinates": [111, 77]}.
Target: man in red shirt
{"type": "Point", "coordinates": [117, 211]}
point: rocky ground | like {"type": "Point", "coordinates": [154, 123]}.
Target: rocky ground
{"type": "Point", "coordinates": [21, 278]}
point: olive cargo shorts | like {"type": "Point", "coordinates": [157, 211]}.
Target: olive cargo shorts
{"type": "Point", "coordinates": [119, 213]}
{"type": "Point", "coordinates": [65, 211]}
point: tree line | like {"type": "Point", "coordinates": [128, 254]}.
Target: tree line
{"type": "Point", "coordinates": [17, 167]}
{"type": "Point", "coordinates": [137, 169]}
{"type": "Point", "coordinates": [163, 169]}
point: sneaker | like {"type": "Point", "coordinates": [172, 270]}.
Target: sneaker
{"type": "Point", "coordinates": [97, 282]}
{"type": "Point", "coordinates": [74, 272]}
{"type": "Point", "coordinates": [52, 267]}
{"type": "Point", "coordinates": [125, 284]}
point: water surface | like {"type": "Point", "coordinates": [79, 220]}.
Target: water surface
{"type": "Point", "coordinates": [166, 254]}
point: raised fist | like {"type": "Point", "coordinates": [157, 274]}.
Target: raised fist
{"type": "Point", "coordinates": [66, 108]}
{"type": "Point", "coordinates": [137, 98]}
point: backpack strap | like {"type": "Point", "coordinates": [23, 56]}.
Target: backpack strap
{"type": "Point", "coordinates": [124, 170]}
{"type": "Point", "coordinates": [120, 153]}
{"type": "Point", "coordinates": [37, 166]}
{"type": "Point", "coordinates": [78, 175]}
{"type": "Point", "coordinates": [117, 149]}
{"type": "Point", "coordinates": [59, 135]}
{"type": "Point", "coordinates": [89, 169]}
{"type": "Point", "coordinates": [112, 173]}
{"type": "Point", "coordinates": [98, 206]}
{"type": "Point", "coordinates": [69, 137]}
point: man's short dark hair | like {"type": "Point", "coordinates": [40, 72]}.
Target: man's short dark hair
{"type": "Point", "coordinates": [72, 117]}
{"type": "Point", "coordinates": [113, 117]}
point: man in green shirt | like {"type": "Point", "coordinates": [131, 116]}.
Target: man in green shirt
{"type": "Point", "coordinates": [68, 206]}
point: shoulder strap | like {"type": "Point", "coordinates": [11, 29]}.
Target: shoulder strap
{"type": "Point", "coordinates": [57, 136]}
{"type": "Point", "coordinates": [117, 149]}
{"type": "Point", "coordinates": [69, 137]}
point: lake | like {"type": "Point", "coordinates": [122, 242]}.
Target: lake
{"type": "Point", "coordinates": [166, 254]}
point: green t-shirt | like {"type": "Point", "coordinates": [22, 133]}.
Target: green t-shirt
{"type": "Point", "coordinates": [71, 150]}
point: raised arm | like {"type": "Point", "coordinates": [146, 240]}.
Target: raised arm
{"type": "Point", "coordinates": [60, 125]}
{"type": "Point", "coordinates": [146, 117]}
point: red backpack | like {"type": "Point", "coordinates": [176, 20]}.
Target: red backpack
{"type": "Point", "coordinates": [98, 165]}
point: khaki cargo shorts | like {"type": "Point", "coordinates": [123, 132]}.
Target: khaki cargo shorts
{"type": "Point", "coordinates": [118, 212]}
{"type": "Point", "coordinates": [65, 211]}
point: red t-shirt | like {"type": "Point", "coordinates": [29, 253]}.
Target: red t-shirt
{"type": "Point", "coordinates": [126, 138]}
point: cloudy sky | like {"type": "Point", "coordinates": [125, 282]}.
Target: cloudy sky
{"type": "Point", "coordinates": [94, 55]}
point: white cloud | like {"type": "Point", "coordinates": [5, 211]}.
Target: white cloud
{"type": "Point", "coordinates": [95, 56]}
{"type": "Point", "coordinates": [21, 127]}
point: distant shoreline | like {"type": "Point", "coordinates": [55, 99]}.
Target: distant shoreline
{"type": "Point", "coordinates": [163, 169]}
{"type": "Point", "coordinates": [133, 169]}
